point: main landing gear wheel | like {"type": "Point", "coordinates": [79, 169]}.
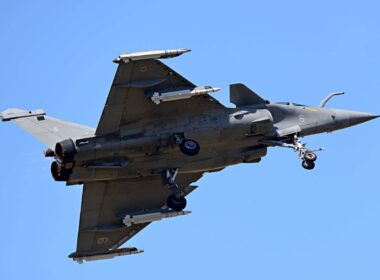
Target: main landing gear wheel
{"type": "Point", "coordinates": [307, 164]}
{"type": "Point", "coordinates": [176, 200]}
{"type": "Point", "coordinates": [189, 147]}
{"type": "Point", "coordinates": [176, 203]}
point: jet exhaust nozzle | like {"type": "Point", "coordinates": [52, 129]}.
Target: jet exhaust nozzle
{"type": "Point", "coordinates": [66, 150]}
{"type": "Point", "coordinates": [59, 172]}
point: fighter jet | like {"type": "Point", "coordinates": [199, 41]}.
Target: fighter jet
{"type": "Point", "coordinates": [158, 134]}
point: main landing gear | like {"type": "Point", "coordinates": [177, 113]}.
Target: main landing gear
{"type": "Point", "coordinates": [176, 200]}
{"type": "Point", "coordinates": [187, 146]}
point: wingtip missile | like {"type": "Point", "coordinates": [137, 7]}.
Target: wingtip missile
{"type": "Point", "coordinates": [14, 113]}
{"type": "Point", "coordinates": [155, 54]}
{"type": "Point", "coordinates": [103, 255]}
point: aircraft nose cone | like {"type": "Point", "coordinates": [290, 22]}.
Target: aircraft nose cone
{"type": "Point", "coordinates": [345, 118]}
{"type": "Point", "coordinates": [358, 117]}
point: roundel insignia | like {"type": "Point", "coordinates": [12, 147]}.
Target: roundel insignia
{"type": "Point", "coordinates": [102, 240]}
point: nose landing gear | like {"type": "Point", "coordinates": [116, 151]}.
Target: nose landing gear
{"type": "Point", "coordinates": [307, 157]}
{"type": "Point", "coordinates": [176, 200]}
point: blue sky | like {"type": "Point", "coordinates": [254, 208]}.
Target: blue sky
{"type": "Point", "coordinates": [271, 220]}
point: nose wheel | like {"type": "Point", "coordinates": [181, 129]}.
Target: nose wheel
{"type": "Point", "coordinates": [310, 156]}
{"type": "Point", "coordinates": [308, 165]}
{"type": "Point", "coordinates": [176, 200]}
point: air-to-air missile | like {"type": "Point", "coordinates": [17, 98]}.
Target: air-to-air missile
{"type": "Point", "coordinates": [132, 219]}
{"type": "Point", "coordinates": [109, 254]}
{"type": "Point", "coordinates": [159, 97]}
{"type": "Point", "coordinates": [127, 57]}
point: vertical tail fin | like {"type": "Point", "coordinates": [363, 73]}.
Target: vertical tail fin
{"type": "Point", "coordinates": [240, 95]}
{"type": "Point", "coordinates": [46, 129]}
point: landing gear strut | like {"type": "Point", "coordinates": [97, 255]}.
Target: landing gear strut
{"type": "Point", "coordinates": [176, 200]}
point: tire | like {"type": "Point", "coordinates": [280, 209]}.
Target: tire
{"type": "Point", "coordinates": [308, 164]}
{"type": "Point", "coordinates": [177, 204]}
{"type": "Point", "coordinates": [189, 147]}
{"type": "Point", "coordinates": [310, 156]}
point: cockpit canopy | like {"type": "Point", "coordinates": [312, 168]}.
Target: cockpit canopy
{"type": "Point", "coordinates": [290, 103]}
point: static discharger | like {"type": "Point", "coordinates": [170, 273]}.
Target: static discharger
{"type": "Point", "coordinates": [159, 97]}
{"type": "Point", "coordinates": [130, 220]}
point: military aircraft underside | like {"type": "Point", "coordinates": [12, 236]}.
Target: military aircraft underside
{"type": "Point", "coordinates": [158, 134]}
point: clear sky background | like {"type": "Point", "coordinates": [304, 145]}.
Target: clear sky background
{"type": "Point", "coordinates": [272, 220]}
